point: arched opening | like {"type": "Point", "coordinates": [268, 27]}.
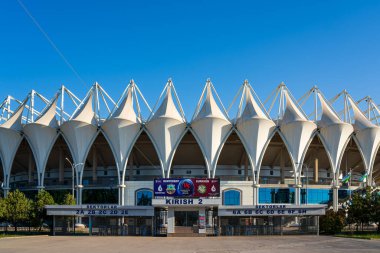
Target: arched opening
{"type": "Point", "coordinates": [276, 173]}
{"type": "Point", "coordinates": [59, 175]}
{"type": "Point", "coordinates": [316, 170]}
{"type": "Point", "coordinates": [376, 170]}
{"type": "Point", "coordinates": [233, 163]}
{"type": "Point", "coordinates": [143, 161]}
{"type": "Point", "coordinates": [100, 177]}
{"type": "Point", "coordinates": [232, 197]}
{"type": "Point", "coordinates": [352, 162]}
{"type": "Point", "coordinates": [143, 197]}
{"type": "Point", "coordinates": [24, 175]}
{"type": "Point", "coordinates": [2, 179]}
{"type": "Point", "coordinates": [188, 160]}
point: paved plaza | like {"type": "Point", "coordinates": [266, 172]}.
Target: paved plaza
{"type": "Point", "coordinates": [294, 244]}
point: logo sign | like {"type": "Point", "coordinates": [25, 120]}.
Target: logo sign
{"type": "Point", "coordinates": [187, 187]}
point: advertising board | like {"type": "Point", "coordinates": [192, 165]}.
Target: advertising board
{"type": "Point", "coordinates": [187, 187]}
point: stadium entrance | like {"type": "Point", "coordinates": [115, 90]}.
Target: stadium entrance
{"type": "Point", "coordinates": [188, 217]}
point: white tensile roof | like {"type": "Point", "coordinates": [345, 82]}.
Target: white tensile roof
{"type": "Point", "coordinates": [80, 132]}
{"type": "Point", "coordinates": [10, 139]}
{"type": "Point", "coordinates": [166, 127]}
{"type": "Point", "coordinates": [211, 128]}
{"type": "Point", "coordinates": [41, 136]}
{"type": "Point", "coordinates": [255, 129]}
{"type": "Point", "coordinates": [297, 131]}
{"type": "Point", "coordinates": [367, 136]}
{"type": "Point", "coordinates": [334, 133]}
{"type": "Point", "coordinates": [122, 129]}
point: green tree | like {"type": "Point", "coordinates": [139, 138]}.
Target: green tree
{"type": "Point", "coordinates": [375, 213]}
{"type": "Point", "coordinates": [68, 200]}
{"type": "Point", "coordinates": [332, 222]}
{"type": "Point", "coordinates": [42, 199]}
{"type": "Point", "coordinates": [2, 208]}
{"type": "Point", "coordinates": [17, 208]}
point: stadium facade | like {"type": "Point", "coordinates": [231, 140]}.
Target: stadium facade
{"type": "Point", "coordinates": [267, 171]}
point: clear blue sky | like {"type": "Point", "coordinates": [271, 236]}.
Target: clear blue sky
{"type": "Point", "coordinates": [334, 44]}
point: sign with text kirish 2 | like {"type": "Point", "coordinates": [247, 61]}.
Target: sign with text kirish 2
{"type": "Point", "coordinates": [187, 187]}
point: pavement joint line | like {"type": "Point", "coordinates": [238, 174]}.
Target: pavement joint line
{"type": "Point", "coordinates": [25, 236]}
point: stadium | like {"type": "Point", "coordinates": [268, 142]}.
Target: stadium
{"type": "Point", "coordinates": [271, 168]}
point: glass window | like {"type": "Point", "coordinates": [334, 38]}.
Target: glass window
{"type": "Point", "coordinates": [316, 196]}
{"type": "Point", "coordinates": [144, 197]}
{"type": "Point", "coordinates": [276, 195]}
{"type": "Point", "coordinates": [231, 197]}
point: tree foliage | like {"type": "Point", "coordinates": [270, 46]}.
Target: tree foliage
{"type": "Point", "coordinates": [68, 199]}
{"type": "Point", "coordinates": [2, 208]}
{"type": "Point", "coordinates": [364, 208]}
{"type": "Point", "coordinates": [17, 208]}
{"type": "Point", "coordinates": [42, 199]}
{"type": "Point", "coordinates": [332, 222]}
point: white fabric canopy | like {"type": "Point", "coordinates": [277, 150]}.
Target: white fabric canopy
{"type": "Point", "coordinates": [80, 132]}
{"type": "Point", "coordinates": [121, 130]}
{"type": "Point", "coordinates": [166, 127]}
{"type": "Point", "coordinates": [211, 128]}
{"type": "Point", "coordinates": [297, 131]}
{"type": "Point", "coordinates": [10, 139]}
{"type": "Point", "coordinates": [255, 129]}
{"type": "Point", "coordinates": [41, 136]}
{"type": "Point", "coordinates": [334, 133]}
{"type": "Point", "coordinates": [367, 135]}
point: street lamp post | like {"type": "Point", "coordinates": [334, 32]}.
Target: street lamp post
{"type": "Point", "coordinates": [72, 176]}
{"type": "Point", "coordinates": [73, 167]}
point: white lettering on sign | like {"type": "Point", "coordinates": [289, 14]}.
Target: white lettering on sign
{"type": "Point", "coordinates": [184, 201]}
{"type": "Point", "coordinates": [271, 211]}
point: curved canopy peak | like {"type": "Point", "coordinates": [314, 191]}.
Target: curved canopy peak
{"type": "Point", "coordinates": [85, 113]}
{"type": "Point", "coordinates": [168, 109]}
{"type": "Point", "coordinates": [14, 122]}
{"type": "Point", "coordinates": [251, 109]}
{"type": "Point", "coordinates": [361, 122]}
{"type": "Point", "coordinates": [292, 112]}
{"type": "Point", "coordinates": [210, 108]}
{"type": "Point", "coordinates": [126, 110]}
{"type": "Point", "coordinates": [329, 117]}
{"type": "Point", "coordinates": [48, 117]}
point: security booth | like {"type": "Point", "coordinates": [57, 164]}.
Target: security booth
{"type": "Point", "coordinates": [102, 219]}
{"type": "Point", "coordinates": [187, 206]}
{"type": "Point", "coordinates": [270, 219]}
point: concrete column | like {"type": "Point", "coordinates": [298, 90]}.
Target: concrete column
{"type": "Point", "coordinates": [335, 197]}
{"type": "Point", "coordinates": [202, 215]}
{"type": "Point", "coordinates": [171, 221]}
{"type": "Point", "coordinates": [61, 166]}
{"type": "Point", "coordinates": [316, 168]}
{"type": "Point", "coordinates": [94, 165]}
{"type": "Point", "coordinates": [256, 188]}
{"type": "Point", "coordinates": [246, 162]}
{"type": "Point", "coordinates": [79, 194]}
{"type": "Point", "coordinates": [30, 168]}
{"type": "Point", "coordinates": [6, 191]}
{"type": "Point", "coordinates": [210, 218]}
{"type": "Point", "coordinates": [40, 187]}
{"type": "Point", "coordinates": [297, 194]}
{"type": "Point", "coordinates": [130, 168]}
{"type": "Point", "coordinates": [282, 165]}
{"type": "Point", "coordinates": [121, 193]}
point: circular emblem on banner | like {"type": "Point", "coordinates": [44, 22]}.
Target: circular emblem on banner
{"type": "Point", "coordinates": [202, 189]}
{"type": "Point", "coordinates": [186, 187]}
{"type": "Point", "coordinates": [170, 189]}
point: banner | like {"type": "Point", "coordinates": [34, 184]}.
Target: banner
{"type": "Point", "coordinates": [187, 187]}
